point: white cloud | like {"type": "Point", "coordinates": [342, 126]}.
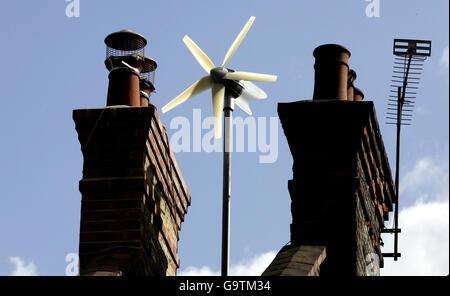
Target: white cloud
{"type": "Point", "coordinates": [248, 267]}
{"type": "Point", "coordinates": [427, 181]}
{"type": "Point", "coordinates": [423, 242]}
{"type": "Point", "coordinates": [424, 220]}
{"type": "Point", "coordinates": [253, 266]}
{"type": "Point", "coordinates": [21, 269]}
{"type": "Point", "coordinates": [444, 58]}
{"type": "Point", "coordinates": [198, 271]}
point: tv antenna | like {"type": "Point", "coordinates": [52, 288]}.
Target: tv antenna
{"type": "Point", "coordinates": [408, 64]}
{"type": "Point", "coordinates": [228, 87]}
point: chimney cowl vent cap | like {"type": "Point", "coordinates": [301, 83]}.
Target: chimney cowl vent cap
{"type": "Point", "coordinates": [149, 65]}
{"type": "Point", "coordinates": [125, 40]}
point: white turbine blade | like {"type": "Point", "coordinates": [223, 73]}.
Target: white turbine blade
{"type": "Point", "coordinates": [199, 55]}
{"type": "Point", "coordinates": [238, 40]}
{"type": "Point", "coordinates": [250, 76]}
{"type": "Point", "coordinates": [218, 94]}
{"type": "Point", "coordinates": [251, 91]}
{"type": "Point", "coordinates": [243, 103]}
{"type": "Point", "coordinates": [196, 88]}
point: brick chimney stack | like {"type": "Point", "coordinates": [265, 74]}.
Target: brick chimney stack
{"type": "Point", "coordinates": [133, 196]}
{"type": "Point", "coordinates": [342, 187]}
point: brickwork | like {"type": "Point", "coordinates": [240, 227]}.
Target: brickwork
{"type": "Point", "coordinates": [373, 197]}
{"type": "Point", "coordinates": [342, 188]}
{"type": "Point", "coordinates": [134, 197]}
{"type": "Point", "coordinates": [297, 261]}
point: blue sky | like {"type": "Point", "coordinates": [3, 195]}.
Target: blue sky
{"type": "Point", "coordinates": [53, 64]}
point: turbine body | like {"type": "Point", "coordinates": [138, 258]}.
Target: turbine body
{"type": "Point", "coordinates": [233, 88]}
{"type": "Point", "coordinates": [218, 74]}
{"type": "Point", "coordinates": [228, 87]}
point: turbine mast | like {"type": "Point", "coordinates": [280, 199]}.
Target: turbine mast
{"type": "Point", "coordinates": [227, 147]}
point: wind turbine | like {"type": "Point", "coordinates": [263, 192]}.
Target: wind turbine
{"type": "Point", "coordinates": [228, 87]}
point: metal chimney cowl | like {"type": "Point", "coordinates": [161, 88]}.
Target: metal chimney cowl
{"type": "Point", "coordinates": [125, 60]}
{"type": "Point", "coordinates": [146, 82]}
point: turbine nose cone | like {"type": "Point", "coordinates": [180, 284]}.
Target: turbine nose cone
{"type": "Point", "coordinates": [217, 74]}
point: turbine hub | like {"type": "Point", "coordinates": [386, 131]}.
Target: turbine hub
{"type": "Point", "coordinates": [218, 74]}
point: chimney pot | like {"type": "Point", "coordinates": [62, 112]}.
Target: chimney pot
{"type": "Point", "coordinates": [123, 87]}
{"type": "Point", "coordinates": [145, 100]}
{"type": "Point", "coordinates": [350, 88]}
{"type": "Point", "coordinates": [359, 95]}
{"type": "Point", "coordinates": [146, 87]}
{"type": "Point", "coordinates": [331, 72]}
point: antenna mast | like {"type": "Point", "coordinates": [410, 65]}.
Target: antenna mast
{"type": "Point", "coordinates": [408, 62]}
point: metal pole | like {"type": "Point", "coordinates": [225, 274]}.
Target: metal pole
{"type": "Point", "coordinates": [397, 171]}
{"type": "Point", "coordinates": [227, 146]}
{"type": "Point", "coordinates": [400, 101]}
